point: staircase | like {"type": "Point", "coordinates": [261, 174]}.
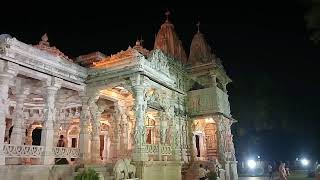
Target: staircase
{"type": "Point", "coordinates": [190, 171]}
{"type": "Point", "coordinates": [105, 171]}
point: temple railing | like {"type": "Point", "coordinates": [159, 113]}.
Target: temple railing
{"type": "Point", "coordinates": [11, 150]}
{"type": "Point", "coordinates": [62, 152]}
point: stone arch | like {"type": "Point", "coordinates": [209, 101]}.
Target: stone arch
{"type": "Point", "coordinates": [73, 136]}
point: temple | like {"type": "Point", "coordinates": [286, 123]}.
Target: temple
{"type": "Point", "coordinates": [161, 109]}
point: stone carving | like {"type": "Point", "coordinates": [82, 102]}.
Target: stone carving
{"type": "Point", "coordinates": [169, 136]}
{"type": "Point", "coordinates": [123, 169]}
{"type": "Point", "coordinates": [153, 149]}
{"type": "Point", "coordinates": [163, 135]}
{"type": "Point", "coordinates": [158, 62]}
{"type": "Point", "coordinates": [45, 46]}
{"type": "Point", "coordinates": [140, 135]}
{"type": "Point", "coordinates": [127, 54]}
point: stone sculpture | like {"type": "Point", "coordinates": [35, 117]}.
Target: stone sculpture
{"type": "Point", "coordinates": [123, 169]}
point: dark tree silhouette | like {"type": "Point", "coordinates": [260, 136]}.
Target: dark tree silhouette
{"type": "Point", "coordinates": [313, 20]}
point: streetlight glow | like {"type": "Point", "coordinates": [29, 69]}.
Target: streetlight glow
{"type": "Point", "coordinates": [251, 164]}
{"type": "Point", "coordinates": [304, 162]}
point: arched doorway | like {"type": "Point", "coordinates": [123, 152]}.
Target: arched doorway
{"type": "Point", "coordinates": [197, 138]}
{"type": "Point", "coordinates": [36, 137]}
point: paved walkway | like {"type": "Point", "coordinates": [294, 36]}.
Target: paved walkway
{"type": "Point", "coordinates": [253, 178]}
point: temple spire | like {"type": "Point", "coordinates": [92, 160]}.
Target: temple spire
{"type": "Point", "coordinates": [167, 13]}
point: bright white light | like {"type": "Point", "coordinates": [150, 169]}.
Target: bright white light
{"type": "Point", "coordinates": [304, 162]}
{"type": "Point", "coordinates": [252, 164]}
{"type": "Point", "coordinates": [258, 157]}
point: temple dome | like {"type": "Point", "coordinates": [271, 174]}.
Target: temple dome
{"type": "Point", "coordinates": [200, 51]}
{"type": "Point", "coordinates": [168, 41]}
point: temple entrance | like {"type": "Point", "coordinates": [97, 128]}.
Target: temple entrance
{"type": "Point", "coordinates": [101, 146]}
{"type": "Point", "coordinates": [205, 139]}
{"type": "Point", "coordinates": [197, 145]}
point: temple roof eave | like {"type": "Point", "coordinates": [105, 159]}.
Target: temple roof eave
{"type": "Point", "coordinates": [31, 57]}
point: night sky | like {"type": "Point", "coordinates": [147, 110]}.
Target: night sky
{"type": "Point", "coordinates": [264, 46]}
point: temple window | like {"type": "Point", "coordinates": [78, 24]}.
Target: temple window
{"type": "Point", "coordinates": [150, 124]}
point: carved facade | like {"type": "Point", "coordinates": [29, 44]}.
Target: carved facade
{"type": "Point", "coordinates": [155, 107]}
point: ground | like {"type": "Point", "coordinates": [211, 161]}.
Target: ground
{"type": "Point", "coordinates": [265, 178]}
{"type": "Point", "coordinates": [294, 176]}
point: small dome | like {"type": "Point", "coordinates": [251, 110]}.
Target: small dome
{"type": "Point", "coordinates": [200, 51]}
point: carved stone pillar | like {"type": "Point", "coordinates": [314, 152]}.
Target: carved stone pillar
{"type": "Point", "coordinates": [113, 134]}
{"type": "Point", "coordinates": [29, 136]}
{"type": "Point", "coordinates": [105, 153]}
{"type": "Point", "coordinates": [123, 130]}
{"type": "Point", "coordinates": [162, 129]}
{"type": "Point", "coordinates": [18, 123]}
{"type": "Point", "coordinates": [29, 142]}
{"type": "Point", "coordinates": [47, 129]}
{"type": "Point", "coordinates": [191, 140]}
{"type": "Point", "coordinates": [221, 135]}
{"type": "Point", "coordinates": [214, 79]}
{"type": "Point", "coordinates": [140, 130]}
{"type": "Point", "coordinates": [7, 72]}
{"type": "Point", "coordinates": [57, 123]}
{"type": "Point", "coordinates": [226, 148]}
{"type": "Point", "coordinates": [95, 123]}
{"type": "Point", "coordinates": [18, 130]}
{"type": "Point", "coordinates": [84, 137]}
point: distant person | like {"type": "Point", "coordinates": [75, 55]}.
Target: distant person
{"type": "Point", "coordinates": [61, 144]}
{"type": "Point", "coordinates": [282, 172]}
{"type": "Point", "coordinates": [270, 171]}
{"type": "Point", "coordinates": [202, 173]}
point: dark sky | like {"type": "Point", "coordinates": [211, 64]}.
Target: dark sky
{"type": "Point", "coordinates": [264, 46]}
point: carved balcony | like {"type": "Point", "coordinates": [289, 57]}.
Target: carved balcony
{"type": "Point", "coordinates": [157, 151]}
{"type": "Point", "coordinates": [62, 152]}
{"type": "Point", "coordinates": [25, 151]}
{"type": "Point", "coordinates": [208, 101]}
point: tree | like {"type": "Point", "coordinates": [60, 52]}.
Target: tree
{"type": "Point", "coordinates": [313, 20]}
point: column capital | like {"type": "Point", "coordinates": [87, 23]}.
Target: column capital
{"type": "Point", "coordinates": [213, 73]}
{"type": "Point", "coordinates": [138, 88]}
{"type": "Point", "coordinates": [52, 83]}
{"type": "Point", "coordinates": [8, 69]}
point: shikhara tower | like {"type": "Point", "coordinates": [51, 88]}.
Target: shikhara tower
{"type": "Point", "coordinates": [165, 111]}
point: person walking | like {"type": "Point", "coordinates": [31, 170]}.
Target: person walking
{"type": "Point", "coordinates": [282, 172]}
{"type": "Point", "coordinates": [270, 171]}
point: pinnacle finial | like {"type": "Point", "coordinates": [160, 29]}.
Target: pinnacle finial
{"type": "Point", "coordinates": [141, 40]}
{"type": "Point", "coordinates": [198, 25]}
{"type": "Point", "coordinates": [167, 13]}
{"type": "Point", "coordinates": [44, 37]}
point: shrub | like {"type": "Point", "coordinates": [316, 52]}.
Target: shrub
{"type": "Point", "coordinates": [212, 175]}
{"type": "Point", "coordinates": [87, 174]}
